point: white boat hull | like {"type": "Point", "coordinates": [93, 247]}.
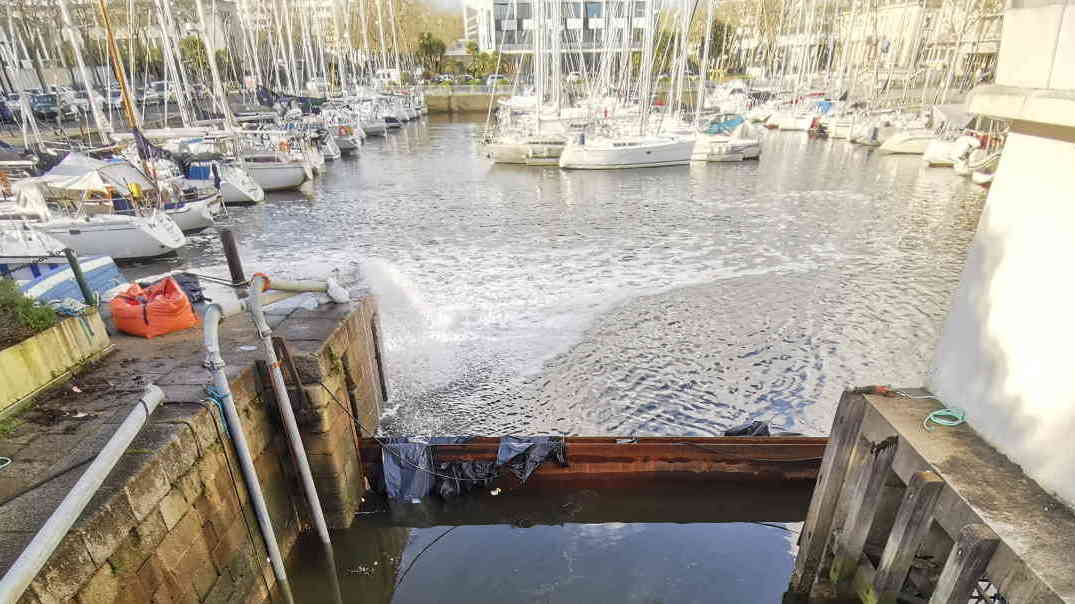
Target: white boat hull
{"type": "Point", "coordinates": [672, 152]}
{"type": "Point", "coordinates": [909, 143]}
{"type": "Point", "coordinates": [277, 176]}
{"type": "Point", "coordinates": [194, 216]}
{"type": "Point", "coordinates": [121, 237]}
{"type": "Point", "coordinates": [725, 149]}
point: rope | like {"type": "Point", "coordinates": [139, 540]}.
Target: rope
{"type": "Point", "coordinates": [403, 575]}
{"type": "Point", "coordinates": [217, 396]}
{"type": "Point", "coordinates": [238, 496]}
{"type": "Point", "coordinates": [949, 416]}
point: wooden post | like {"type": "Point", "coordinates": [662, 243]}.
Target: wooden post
{"type": "Point", "coordinates": [911, 525]}
{"type": "Point", "coordinates": [863, 496]}
{"type": "Point", "coordinates": [966, 564]}
{"type": "Point", "coordinates": [830, 482]}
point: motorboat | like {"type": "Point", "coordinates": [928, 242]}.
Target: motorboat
{"type": "Point", "coordinates": [536, 150]}
{"type": "Point", "coordinates": [727, 137]}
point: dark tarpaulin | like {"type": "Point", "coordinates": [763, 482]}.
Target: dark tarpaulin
{"type": "Point", "coordinates": [754, 428]}
{"type": "Point", "coordinates": [407, 464]}
{"type": "Point", "coordinates": [523, 455]}
{"type": "Point", "coordinates": [411, 473]}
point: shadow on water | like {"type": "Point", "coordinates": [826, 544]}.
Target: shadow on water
{"type": "Point", "coordinates": [683, 543]}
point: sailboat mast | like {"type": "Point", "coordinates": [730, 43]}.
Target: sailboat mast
{"type": "Point", "coordinates": [76, 45]}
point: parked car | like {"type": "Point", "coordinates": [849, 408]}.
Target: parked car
{"type": "Point", "coordinates": [50, 107]}
{"type": "Point", "coordinates": [6, 114]}
{"type": "Point", "coordinates": [496, 79]}
{"type": "Point", "coordinates": [114, 100]}
{"type": "Point", "coordinates": [13, 104]}
{"type": "Point", "coordinates": [164, 89]}
{"type": "Point", "coordinates": [85, 100]}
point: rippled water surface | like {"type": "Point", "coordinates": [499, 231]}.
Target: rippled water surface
{"type": "Point", "coordinates": [674, 300]}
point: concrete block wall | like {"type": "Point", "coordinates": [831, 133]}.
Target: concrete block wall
{"type": "Point", "coordinates": [1004, 354]}
{"type": "Point", "coordinates": [173, 522]}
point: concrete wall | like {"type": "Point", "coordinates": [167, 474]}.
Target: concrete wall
{"type": "Point", "coordinates": [173, 522]}
{"type": "Point", "coordinates": [48, 357]}
{"type": "Point", "coordinates": [1038, 45]}
{"type": "Point", "coordinates": [1005, 353]}
{"type": "Point", "coordinates": [462, 103]}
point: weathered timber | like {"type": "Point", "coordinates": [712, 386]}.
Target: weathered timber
{"type": "Point", "coordinates": [831, 476]}
{"type": "Point", "coordinates": [863, 495]}
{"type": "Point", "coordinates": [609, 461]}
{"type": "Point", "coordinates": [911, 526]}
{"type": "Point", "coordinates": [966, 564]}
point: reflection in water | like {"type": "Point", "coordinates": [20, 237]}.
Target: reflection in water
{"type": "Point", "coordinates": [581, 553]}
{"type": "Point", "coordinates": [655, 301]}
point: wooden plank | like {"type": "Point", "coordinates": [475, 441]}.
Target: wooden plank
{"type": "Point", "coordinates": [1036, 531]}
{"type": "Point", "coordinates": [911, 525]}
{"type": "Point", "coordinates": [966, 564]}
{"type": "Point", "coordinates": [831, 477]}
{"type": "Point", "coordinates": [863, 496]}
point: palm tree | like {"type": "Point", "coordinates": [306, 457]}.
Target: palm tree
{"type": "Point", "coordinates": [431, 51]}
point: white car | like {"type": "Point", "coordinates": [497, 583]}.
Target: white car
{"type": "Point", "coordinates": [496, 79]}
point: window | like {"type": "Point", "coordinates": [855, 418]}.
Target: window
{"type": "Point", "coordinates": [571, 10]}
{"type": "Point", "coordinates": [640, 8]}
{"type": "Point", "coordinates": [593, 10]}
{"type": "Point", "coordinates": [524, 10]}
{"type": "Point", "coordinates": [502, 11]}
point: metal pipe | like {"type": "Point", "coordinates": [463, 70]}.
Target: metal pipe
{"type": "Point", "coordinates": [231, 254]}
{"type": "Point", "coordinates": [258, 284]}
{"type": "Point", "coordinates": [44, 543]}
{"type": "Point", "coordinates": [215, 363]}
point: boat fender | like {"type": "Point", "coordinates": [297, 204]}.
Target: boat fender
{"type": "Point", "coordinates": [336, 292]}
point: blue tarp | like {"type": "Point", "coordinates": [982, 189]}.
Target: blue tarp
{"type": "Point", "coordinates": [724, 125]}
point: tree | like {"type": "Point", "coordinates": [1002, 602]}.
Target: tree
{"type": "Point", "coordinates": [431, 51]}
{"type": "Point", "coordinates": [192, 50]}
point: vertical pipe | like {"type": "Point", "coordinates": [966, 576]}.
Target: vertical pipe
{"type": "Point", "coordinates": [40, 549]}
{"type": "Point", "coordinates": [215, 363]}
{"type": "Point", "coordinates": [291, 427]}
{"type": "Point", "coordinates": [231, 254]}
{"type": "Point", "coordinates": [80, 278]}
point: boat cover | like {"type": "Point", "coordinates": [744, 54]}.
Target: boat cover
{"type": "Point", "coordinates": [955, 115]}
{"type": "Point", "coordinates": [78, 172]}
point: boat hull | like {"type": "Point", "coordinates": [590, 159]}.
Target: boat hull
{"type": "Point", "coordinates": [56, 280]}
{"type": "Point", "coordinates": [197, 215]}
{"type": "Point", "coordinates": [277, 176]}
{"type": "Point", "coordinates": [671, 153]}
{"type": "Point", "coordinates": [121, 237]}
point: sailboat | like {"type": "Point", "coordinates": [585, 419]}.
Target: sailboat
{"type": "Point", "coordinates": [727, 137]}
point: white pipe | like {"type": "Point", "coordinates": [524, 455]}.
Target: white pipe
{"type": "Point", "coordinates": [44, 543]}
{"type": "Point", "coordinates": [215, 363]}
{"type": "Point", "coordinates": [257, 285]}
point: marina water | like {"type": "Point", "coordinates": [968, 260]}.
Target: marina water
{"type": "Point", "coordinates": [679, 300]}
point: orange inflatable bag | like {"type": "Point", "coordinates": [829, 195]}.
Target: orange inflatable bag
{"type": "Point", "coordinates": [154, 311]}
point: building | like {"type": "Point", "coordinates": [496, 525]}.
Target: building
{"type": "Point", "coordinates": [586, 28]}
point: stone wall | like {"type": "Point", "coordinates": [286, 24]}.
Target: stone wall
{"type": "Point", "coordinates": [173, 522]}
{"type": "Point", "coordinates": [462, 103]}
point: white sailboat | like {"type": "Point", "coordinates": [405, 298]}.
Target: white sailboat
{"type": "Point", "coordinates": [627, 152]}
